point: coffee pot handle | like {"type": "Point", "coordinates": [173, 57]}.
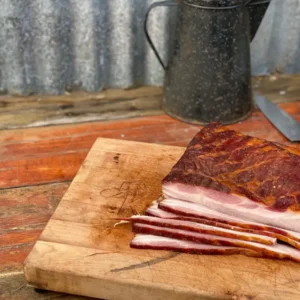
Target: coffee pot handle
{"type": "Point", "coordinates": [157, 4]}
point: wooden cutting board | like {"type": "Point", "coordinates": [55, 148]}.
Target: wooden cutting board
{"type": "Point", "coordinates": [82, 252]}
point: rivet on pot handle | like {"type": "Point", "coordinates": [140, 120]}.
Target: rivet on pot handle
{"type": "Point", "coordinates": [157, 4]}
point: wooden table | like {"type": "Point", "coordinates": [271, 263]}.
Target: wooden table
{"type": "Point", "coordinates": [40, 154]}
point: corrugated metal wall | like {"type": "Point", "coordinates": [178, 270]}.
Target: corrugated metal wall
{"type": "Point", "coordinates": [49, 46]}
{"type": "Point", "coordinates": [276, 46]}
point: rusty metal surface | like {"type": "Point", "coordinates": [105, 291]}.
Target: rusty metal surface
{"type": "Point", "coordinates": [49, 46]}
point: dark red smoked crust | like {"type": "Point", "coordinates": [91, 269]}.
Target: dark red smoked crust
{"type": "Point", "coordinates": [228, 161]}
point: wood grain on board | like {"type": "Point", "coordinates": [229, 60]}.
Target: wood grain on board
{"type": "Point", "coordinates": [82, 252]}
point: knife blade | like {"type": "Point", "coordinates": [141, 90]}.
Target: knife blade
{"type": "Point", "coordinates": [287, 125]}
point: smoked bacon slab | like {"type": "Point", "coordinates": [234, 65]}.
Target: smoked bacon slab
{"type": "Point", "coordinates": [239, 175]}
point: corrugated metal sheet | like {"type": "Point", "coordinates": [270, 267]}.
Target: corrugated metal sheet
{"type": "Point", "coordinates": [276, 46]}
{"type": "Point", "coordinates": [49, 46]}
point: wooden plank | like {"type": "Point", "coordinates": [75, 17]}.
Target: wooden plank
{"type": "Point", "coordinates": [16, 237]}
{"type": "Point", "coordinates": [12, 258]}
{"type": "Point", "coordinates": [126, 129]}
{"type": "Point", "coordinates": [279, 88]}
{"type": "Point", "coordinates": [43, 169]}
{"type": "Point", "coordinates": [11, 103]}
{"type": "Point", "coordinates": [79, 106]}
{"type": "Point", "coordinates": [54, 154]}
{"type": "Point", "coordinates": [120, 178]}
{"type": "Point", "coordinates": [30, 206]}
{"type": "Point", "coordinates": [24, 212]}
{"type": "Point", "coordinates": [35, 111]}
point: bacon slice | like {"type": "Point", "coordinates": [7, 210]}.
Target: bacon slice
{"type": "Point", "coordinates": [276, 251]}
{"type": "Point", "coordinates": [154, 211]}
{"type": "Point", "coordinates": [163, 214]}
{"type": "Point", "coordinates": [147, 241]}
{"type": "Point", "coordinates": [202, 228]}
{"type": "Point", "coordinates": [193, 210]}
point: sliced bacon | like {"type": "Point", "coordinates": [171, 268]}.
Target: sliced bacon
{"type": "Point", "coordinates": [154, 242]}
{"type": "Point", "coordinates": [275, 251]}
{"type": "Point", "coordinates": [230, 187]}
{"type": "Point", "coordinates": [233, 205]}
{"type": "Point", "coordinates": [193, 210]}
{"type": "Point", "coordinates": [203, 228]}
{"type": "Point", "coordinates": [154, 211]}
{"type": "Point", "coordinates": [200, 217]}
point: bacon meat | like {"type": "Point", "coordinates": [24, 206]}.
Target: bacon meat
{"type": "Point", "coordinates": [148, 241]}
{"type": "Point", "coordinates": [239, 175]}
{"type": "Point", "coordinates": [202, 214]}
{"type": "Point", "coordinates": [203, 228]}
{"type": "Point", "coordinates": [276, 251]}
{"type": "Point", "coordinates": [228, 194]}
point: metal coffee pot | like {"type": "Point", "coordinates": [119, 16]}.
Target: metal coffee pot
{"type": "Point", "coordinates": [208, 76]}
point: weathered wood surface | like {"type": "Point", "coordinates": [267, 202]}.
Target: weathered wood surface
{"type": "Point", "coordinates": [77, 107]}
{"type": "Point", "coordinates": [24, 213]}
{"type": "Point", "coordinates": [35, 111]}
{"type": "Point", "coordinates": [14, 287]}
{"type": "Point", "coordinates": [47, 158]}
{"type": "Point", "coordinates": [54, 154]}
{"type": "Point", "coordinates": [278, 88]}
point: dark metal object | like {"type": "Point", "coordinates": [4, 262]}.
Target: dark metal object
{"type": "Point", "coordinates": [280, 119]}
{"type": "Point", "coordinates": [208, 77]}
{"type": "Point", "coordinates": [257, 10]}
{"type": "Point", "coordinates": [157, 4]}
